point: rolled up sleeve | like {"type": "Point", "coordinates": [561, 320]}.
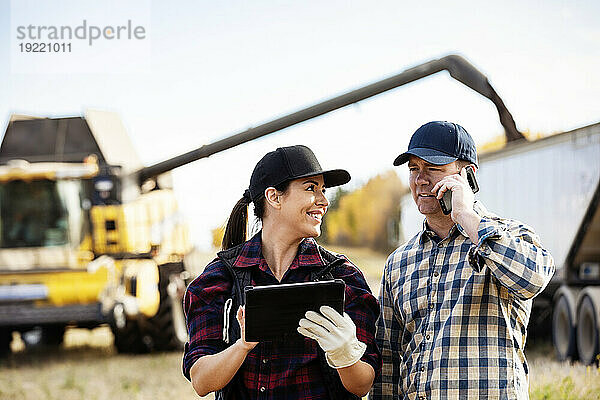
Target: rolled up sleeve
{"type": "Point", "coordinates": [514, 255]}
{"type": "Point", "coordinates": [203, 308]}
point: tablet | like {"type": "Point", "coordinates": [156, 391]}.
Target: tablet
{"type": "Point", "coordinates": [273, 311]}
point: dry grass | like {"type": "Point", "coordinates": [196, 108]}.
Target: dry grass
{"type": "Point", "coordinates": [87, 366]}
{"type": "Point", "coordinates": [553, 380]}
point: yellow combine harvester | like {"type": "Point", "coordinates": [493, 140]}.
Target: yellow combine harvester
{"type": "Point", "coordinates": [82, 241]}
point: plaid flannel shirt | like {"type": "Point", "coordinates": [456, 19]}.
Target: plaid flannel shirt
{"type": "Point", "coordinates": [275, 369]}
{"type": "Point", "coordinates": [454, 314]}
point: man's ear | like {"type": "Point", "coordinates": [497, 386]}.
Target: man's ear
{"type": "Point", "coordinates": [272, 196]}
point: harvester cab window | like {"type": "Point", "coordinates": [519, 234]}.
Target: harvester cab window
{"type": "Point", "coordinates": [34, 213]}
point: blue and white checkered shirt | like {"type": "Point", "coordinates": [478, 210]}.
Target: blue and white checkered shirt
{"type": "Point", "coordinates": [454, 314]}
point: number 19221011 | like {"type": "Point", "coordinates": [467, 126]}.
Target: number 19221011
{"type": "Point", "coordinates": [45, 47]}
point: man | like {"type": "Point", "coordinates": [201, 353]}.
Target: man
{"type": "Point", "coordinates": [456, 298]}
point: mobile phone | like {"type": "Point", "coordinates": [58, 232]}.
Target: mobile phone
{"type": "Point", "coordinates": [446, 200]}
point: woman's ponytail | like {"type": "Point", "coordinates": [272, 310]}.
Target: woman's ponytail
{"type": "Point", "coordinates": [235, 232]}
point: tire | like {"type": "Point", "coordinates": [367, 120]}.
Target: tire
{"type": "Point", "coordinates": [130, 339]}
{"type": "Point", "coordinates": [563, 330]}
{"type": "Point", "coordinates": [52, 335]}
{"type": "Point", "coordinates": [5, 339]}
{"type": "Point", "coordinates": [587, 331]}
{"type": "Point", "coordinates": [168, 328]}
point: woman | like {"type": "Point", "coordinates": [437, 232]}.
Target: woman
{"type": "Point", "coordinates": [338, 359]}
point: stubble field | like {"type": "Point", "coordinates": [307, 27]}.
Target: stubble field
{"type": "Point", "coordinates": [87, 366]}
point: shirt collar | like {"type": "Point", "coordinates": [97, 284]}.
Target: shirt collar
{"type": "Point", "coordinates": [428, 233]}
{"type": "Point", "coordinates": [251, 254]}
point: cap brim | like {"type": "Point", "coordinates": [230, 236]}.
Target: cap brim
{"type": "Point", "coordinates": [430, 155]}
{"type": "Point", "coordinates": [336, 177]}
{"type": "Point", "coordinates": [332, 178]}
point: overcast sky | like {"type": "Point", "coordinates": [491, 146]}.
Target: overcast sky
{"type": "Point", "coordinates": [205, 70]}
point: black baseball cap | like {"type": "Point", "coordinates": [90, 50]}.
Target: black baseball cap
{"type": "Point", "coordinates": [289, 163]}
{"type": "Point", "coordinates": [440, 143]}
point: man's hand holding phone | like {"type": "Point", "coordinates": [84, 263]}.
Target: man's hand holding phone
{"type": "Point", "coordinates": [456, 194]}
{"type": "Point", "coordinates": [453, 193]}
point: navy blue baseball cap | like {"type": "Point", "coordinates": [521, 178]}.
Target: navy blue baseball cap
{"type": "Point", "coordinates": [440, 143]}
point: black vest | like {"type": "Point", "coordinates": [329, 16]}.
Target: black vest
{"type": "Point", "coordinates": [241, 277]}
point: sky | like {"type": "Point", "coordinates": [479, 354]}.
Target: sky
{"type": "Point", "coordinates": [206, 70]}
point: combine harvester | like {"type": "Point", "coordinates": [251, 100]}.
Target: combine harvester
{"type": "Point", "coordinates": [82, 242]}
{"type": "Point", "coordinates": [110, 245]}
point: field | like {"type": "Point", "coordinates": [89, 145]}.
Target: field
{"type": "Point", "coordinates": [88, 367]}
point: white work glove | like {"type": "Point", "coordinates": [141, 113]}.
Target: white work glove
{"type": "Point", "coordinates": [335, 334]}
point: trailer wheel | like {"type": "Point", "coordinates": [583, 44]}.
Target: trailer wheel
{"type": "Point", "coordinates": [563, 330]}
{"type": "Point", "coordinates": [5, 339]}
{"type": "Point", "coordinates": [587, 331]}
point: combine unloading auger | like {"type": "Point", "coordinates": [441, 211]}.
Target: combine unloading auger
{"type": "Point", "coordinates": [459, 68]}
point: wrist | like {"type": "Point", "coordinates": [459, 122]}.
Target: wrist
{"type": "Point", "coordinates": [463, 215]}
{"type": "Point", "coordinates": [469, 220]}
{"type": "Point", "coordinates": [347, 355]}
{"type": "Point", "coordinates": [244, 346]}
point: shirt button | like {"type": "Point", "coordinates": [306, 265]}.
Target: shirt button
{"type": "Point", "coordinates": [428, 337]}
{"type": "Point", "coordinates": [436, 274]}
{"type": "Point", "coordinates": [262, 389]}
{"type": "Point", "coordinates": [431, 306]}
{"type": "Point", "coordinates": [423, 369]}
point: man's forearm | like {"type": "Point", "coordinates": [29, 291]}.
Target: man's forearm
{"type": "Point", "coordinates": [469, 220]}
